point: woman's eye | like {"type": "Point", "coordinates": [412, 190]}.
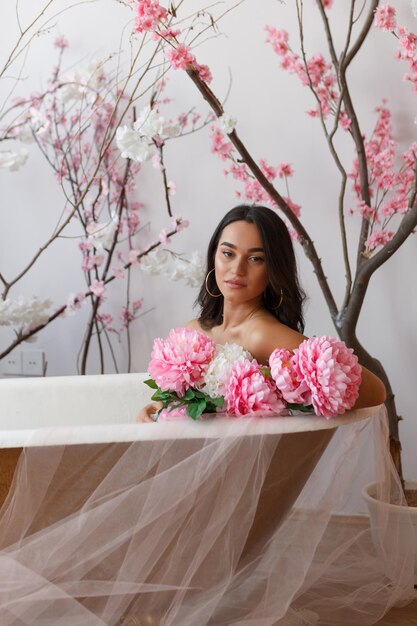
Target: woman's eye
{"type": "Point", "coordinates": [227, 253]}
{"type": "Point", "coordinates": [257, 259]}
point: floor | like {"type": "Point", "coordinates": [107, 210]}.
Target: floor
{"type": "Point", "coordinates": [406, 616]}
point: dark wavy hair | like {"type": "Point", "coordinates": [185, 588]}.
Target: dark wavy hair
{"type": "Point", "coordinates": [281, 265]}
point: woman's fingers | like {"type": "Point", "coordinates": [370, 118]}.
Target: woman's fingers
{"type": "Point", "coordinates": [147, 413]}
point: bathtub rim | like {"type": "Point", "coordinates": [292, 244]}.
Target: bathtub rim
{"type": "Point", "coordinates": [183, 429]}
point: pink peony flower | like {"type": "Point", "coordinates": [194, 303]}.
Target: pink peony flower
{"type": "Point", "coordinates": [180, 361]}
{"type": "Point", "coordinates": [283, 372]}
{"type": "Point", "coordinates": [249, 392]}
{"type": "Point", "coordinates": [171, 416]}
{"type": "Point", "coordinates": [332, 373]}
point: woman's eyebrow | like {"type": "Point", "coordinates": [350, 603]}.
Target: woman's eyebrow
{"type": "Point", "coordinates": [232, 245]}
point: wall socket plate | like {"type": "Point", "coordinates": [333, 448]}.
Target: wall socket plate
{"type": "Point", "coordinates": [11, 365]}
{"type": "Point", "coordinates": [24, 363]}
{"type": "Point", "coordinates": [33, 363]}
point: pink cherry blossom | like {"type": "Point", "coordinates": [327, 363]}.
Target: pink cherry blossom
{"type": "Point", "coordinates": [166, 33]}
{"type": "Point", "coordinates": [285, 170]}
{"type": "Point", "coordinates": [203, 72]}
{"type": "Point", "coordinates": [220, 145]}
{"type": "Point", "coordinates": [332, 373]}
{"type": "Point", "coordinates": [180, 361]}
{"type": "Point", "coordinates": [249, 392]}
{"type": "Point", "coordinates": [283, 372]}
{"type": "Point", "coordinates": [179, 224]}
{"type": "Point", "coordinates": [380, 238]}
{"type": "Point", "coordinates": [61, 42]}
{"type": "Point", "coordinates": [148, 15]}
{"type": "Point", "coordinates": [119, 273]}
{"type": "Point", "coordinates": [385, 18]}
{"type": "Point", "coordinates": [268, 171]}
{"type": "Point", "coordinates": [163, 237]}
{"type": "Point", "coordinates": [295, 208]}
{"type": "Point", "coordinates": [278, 39]}
{"type": "Point", "coordinates": [133, 256]}
{"type": "Point", "coordinates": [181, 57]}
{"type": "Point", "coordinates": [98, 288]}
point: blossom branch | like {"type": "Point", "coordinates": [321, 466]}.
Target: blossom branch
{"type": "Point", "coordinates": [329, 138]}
{"type": "Point", "coordinates": [246, 157]}
{"type": "Point", "coordinates": [165, 179]}
{"type": "Point", "coordinates": [24, 336]}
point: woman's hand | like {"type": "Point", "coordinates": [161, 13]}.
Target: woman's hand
{"type": "Point", "coordinates": [146, 414]}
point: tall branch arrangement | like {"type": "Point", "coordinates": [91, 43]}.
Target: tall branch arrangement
{"type": "Point", "coordinates": [384, 181]}
{"type": "Point", "coordinates": [96, 127]}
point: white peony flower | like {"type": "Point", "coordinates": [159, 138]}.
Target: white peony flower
{"type": "Point", "coordinates": [217, 374]}
{"type": "Point", "coordinates": [227, 123]}
{"type": "Point", "coordinates": [132, 145]}
{"type": "Point", "coordinates": [154, 262]}
{"type": "Point", "coordinates": [163, 263]}
{"type": "Point", "coordinates": [83, 82]}
{"type": "Point", "coordinates": [26, 313]}
{"type": "Point", "coordinates": [149, 123]}
{"type": "Point", "coordinates": [102, 234]}
{"type": "Point", "coordinates": [13, 160]}
{"type": "Point", "coordinates": [194, 270]}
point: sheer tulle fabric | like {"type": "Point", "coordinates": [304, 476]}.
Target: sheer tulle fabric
{"type": "Point", "coordinates": [191, 532]}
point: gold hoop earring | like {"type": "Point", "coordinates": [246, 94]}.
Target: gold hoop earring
{"type": "Point", "coordinates": [213, 295]}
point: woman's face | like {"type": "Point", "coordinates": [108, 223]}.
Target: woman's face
{"type": "Point", "coordinates": [240, 263]}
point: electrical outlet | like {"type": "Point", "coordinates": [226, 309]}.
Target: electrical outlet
{"type": "Point", "coordinates": [33, 363]}
{"type": "Point", "coordinates": [11, 365]}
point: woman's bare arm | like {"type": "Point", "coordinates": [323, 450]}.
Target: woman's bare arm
{"type": "Point", "coordinates": [266, 337]}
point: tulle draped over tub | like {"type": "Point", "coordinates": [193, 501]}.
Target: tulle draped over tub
{"type": "Point", "coordinates": [211, 523]}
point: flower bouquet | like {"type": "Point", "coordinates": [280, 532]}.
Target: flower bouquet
{"type": "Point", "coordinates": [192, 376]}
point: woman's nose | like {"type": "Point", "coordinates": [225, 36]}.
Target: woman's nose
{"type": "Point", "coordinates": [240, 266]}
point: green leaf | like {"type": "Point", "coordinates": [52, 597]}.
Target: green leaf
{"type": "Point", "coordinates": [189, 394]}
{"type": "Point", "coordinates": [301, 407]}
{"type": "Point", "coordinates": [151, 383]}
{"type": "Point", "coordinates": [195, 409]}
{"type": "Point", "coordinates": [266, 372]}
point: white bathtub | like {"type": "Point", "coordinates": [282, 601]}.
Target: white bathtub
{"type": "Point", "coordinates": [89, 416]}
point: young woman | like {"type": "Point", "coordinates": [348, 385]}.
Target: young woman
{"type": "Point", "coordinates": [251, 294]}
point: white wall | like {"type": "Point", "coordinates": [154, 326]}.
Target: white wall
{"type": "Point", "coordinates": [269, 106]}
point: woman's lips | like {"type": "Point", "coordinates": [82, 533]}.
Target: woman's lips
{"type": "Point", "coordinates": [234, 284]}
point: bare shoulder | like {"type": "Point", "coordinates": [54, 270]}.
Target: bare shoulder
{"type": "Point", "coordinates": [194, 324]}
{"type": "Point", "coordinates": [268, 334]}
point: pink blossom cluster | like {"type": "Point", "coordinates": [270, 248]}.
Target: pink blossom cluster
{"type": "Point", "coordinates": [149, 14]}
{"type": "Point", "coordinates": [317, 73]}
{"type": "Point", "coordinates": [385, 18]}
{"type": "Point", "coordinates": [182, 58]}
{"type": "Point", "coordinates": [389, 185]}
{"type": "Point", "coordinates": [322, 372]}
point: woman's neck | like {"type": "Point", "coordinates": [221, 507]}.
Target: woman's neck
{"type": "Point", "coordinates": [235, 316]}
